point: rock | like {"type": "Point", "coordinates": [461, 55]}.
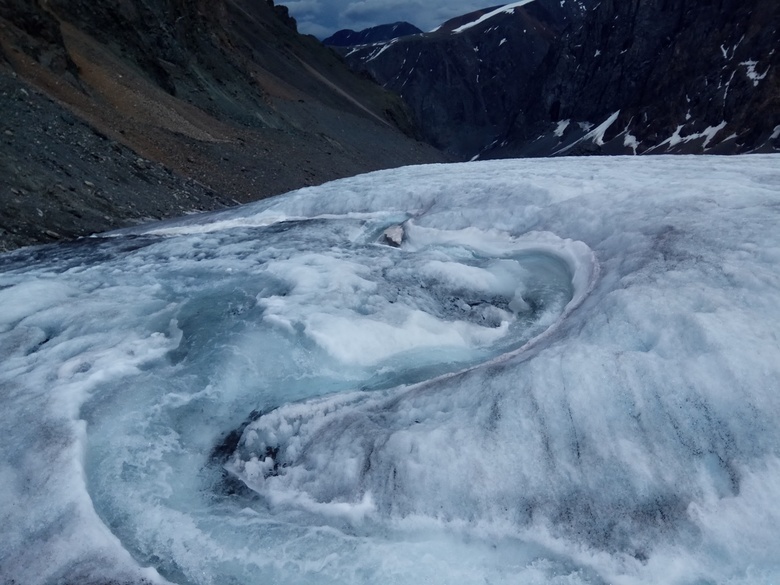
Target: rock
{"type": "Point", "coordinates": [393, 236]}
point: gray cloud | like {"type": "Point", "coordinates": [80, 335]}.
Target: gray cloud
{"type": "Point", "coordinates": [324, 17]}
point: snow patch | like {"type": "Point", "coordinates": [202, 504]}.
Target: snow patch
{"type": "Point", "coordinates": [708, 134]}
{"type": "Point", "coordinates": [380, 51]}
{"type": "Point", "coordinates": [675, 138]}
{"type": "Point", "coordinates": [507, 9]}
{"type": "Point", "coordinates": [561, 128]}
{"type": "Point", "coordinates": [630, 141]}
{"type": "Point", "coordinates": [727, 85]}
{"type": "Point", "coordinates": [752, 74]}
{"type": "Point", "coordinates": [596, 135]}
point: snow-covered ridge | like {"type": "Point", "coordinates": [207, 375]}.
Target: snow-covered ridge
{"type": "Point", "coordinates": [506, 9]}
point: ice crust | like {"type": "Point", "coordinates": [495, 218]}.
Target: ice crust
{"type": "Point", "coordinates": [566, 373]}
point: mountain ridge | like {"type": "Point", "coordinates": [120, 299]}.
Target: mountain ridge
{"type": "Point", "coordinates": [464, 80]}
{"type": "Point", "coordinates": [603, 78]}
{"type": "Point", "coordinates": [375, 34]}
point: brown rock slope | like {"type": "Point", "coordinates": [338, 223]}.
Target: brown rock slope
{"type": "Point", "coordinates": [120, 111]}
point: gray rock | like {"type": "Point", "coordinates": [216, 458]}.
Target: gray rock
{"type": "Point", "coordinates": [393, 236]}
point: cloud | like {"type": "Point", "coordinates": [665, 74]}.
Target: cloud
{"type": "Point", "coordinates": [324, 17]}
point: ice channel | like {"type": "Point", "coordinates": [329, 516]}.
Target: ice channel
{"type": "Point", "coordinates": [300, 319]}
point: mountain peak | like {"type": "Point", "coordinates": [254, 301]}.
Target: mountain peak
{"type": "Point", "coordinates": [375, 34]}
{"type": "Point", "coordinates": [553, 77]}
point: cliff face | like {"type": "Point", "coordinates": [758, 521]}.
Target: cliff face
{"type": "Point", "coordinates": [657, 76]}
{"type": "Point", "coordinates": [223, 95]}
{"type": "Point", "coordinates": [544, 77]}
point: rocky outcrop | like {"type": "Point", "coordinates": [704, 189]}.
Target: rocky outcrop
{"type": "Point", "coordinates": [375, 34]}
{"type": "Point", "coordinates": [283, 13]}
{"type": "Point", "coordinates": [221, 93]}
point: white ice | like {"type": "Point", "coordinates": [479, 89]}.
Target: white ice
{"type": "Point", "coordinates": [566, 373]}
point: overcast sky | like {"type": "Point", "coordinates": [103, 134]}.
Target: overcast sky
{"type": "Point", "coordinates": [324, 17]}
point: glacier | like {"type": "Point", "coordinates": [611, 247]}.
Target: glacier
{"type": "Point", "coordinates": [557, 371]}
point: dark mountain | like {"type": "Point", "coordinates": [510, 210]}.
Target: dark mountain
{"type": "Point", "coordinates": [545, 77]}
{"type": "Point", "coordinates": [375, 34]}
{"type": "Point", "coordinates": [657, 76]}
{"type": "Point", "coordinates": [464, 82]}
{"type": "Point", "coordinates": [114, 112]}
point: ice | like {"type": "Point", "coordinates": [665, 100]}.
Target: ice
{"type": "Point", "coordinates": [596, 135]}
{"type": "Point", "coordinates": [556, 371]}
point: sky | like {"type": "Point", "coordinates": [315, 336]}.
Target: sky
{"type": "Point", "coordinates": [322, 18]}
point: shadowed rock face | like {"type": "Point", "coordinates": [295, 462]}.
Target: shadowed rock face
{"type": "Point", "coordinates": [224, 94]}
{"type": "Point", "coordinates": [605, 77]}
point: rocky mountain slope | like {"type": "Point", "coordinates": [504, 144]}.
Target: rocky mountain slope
{"type": "Point", "coordinates": [115, 112]}
{"type": "Point", "coordinates": [464, 81]}
{"type": "Point", "coordinates": [536, 79]}
{"type": "Point", "coordinates": [701, 77]}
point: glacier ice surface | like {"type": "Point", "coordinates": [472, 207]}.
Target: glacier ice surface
{"type": "Point", "coordinates": [566, 373]}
